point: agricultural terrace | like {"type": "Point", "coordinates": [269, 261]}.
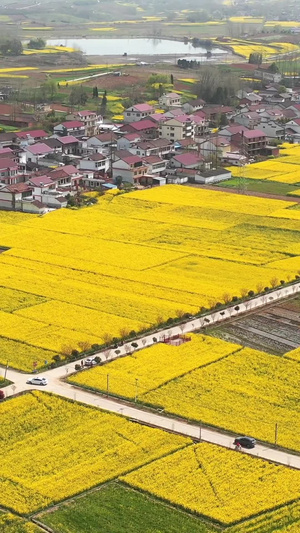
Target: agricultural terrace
{"type": "Point", "coordinates": [213, 381]}
{"type": "Point", "coordinates": [80, 277]}
{"type": "Point", "coordinates": [191, 478]}
{"type": "Point", "coordinates": [55, 448]}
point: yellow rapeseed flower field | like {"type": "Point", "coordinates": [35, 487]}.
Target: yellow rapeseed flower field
{"type": "Point", "coordinates": [55, 448]}
{"type": "Point", "coordinates": [246, 392]}
{"type": "Point", "coordinates": [155, 366]}
{"type": "Point", "coordinates": [218, 483]}
{"type": "Point", "coordinates": [135, 259]}
{"type": "Point", "coordinates": [213, 381]}
{"type": "Point", "coordinates": [284, 169]}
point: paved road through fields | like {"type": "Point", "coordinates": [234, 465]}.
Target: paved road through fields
{"type": "Point", "coordinates": [57, 385]}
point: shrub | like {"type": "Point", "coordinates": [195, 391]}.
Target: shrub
{"type": "Point", "coordinates": [251, 293]}
{"type": "Point", "coordinates": [154, 339]}
{"type": "Point", "coordinates": [235, 299]}
{"type": "Point", "coordinates": [77, 367]}
{"type": "Point", "coordinates": [75, 353]}
{"type": "Point", "coordinates": [117, 352]}
{"type": "Point", "coordinates": [134, 344]}
{"type": "Point", "coordinates": [97, 359]}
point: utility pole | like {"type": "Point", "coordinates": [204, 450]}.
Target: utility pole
{"type": "Point", "coordinates": [6, 370]}
{"type": "Point", "coordinates": [136, 389]}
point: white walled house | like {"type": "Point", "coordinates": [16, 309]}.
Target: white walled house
{"type": "Point", "coordinates": [96, 162]}
{"type": "Point", "coordinates": [137, 112]}
{"type": "Point", "coordinates": [170, 100]}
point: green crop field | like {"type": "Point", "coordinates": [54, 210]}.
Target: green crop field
{"type": "Point", "coordinates": [260, 186]}
{"type": "Point", "coordinates": [116, 509]}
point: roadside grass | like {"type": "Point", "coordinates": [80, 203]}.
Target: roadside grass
{"type": "Point", "coordinates": [248, 184]}
{"type": "Point", "coordinates": [116, 508]}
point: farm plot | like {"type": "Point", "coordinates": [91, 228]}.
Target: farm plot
{"type": "Point", "coordinates": [77, 278]}
{"type": "Point", "coordinates": [118, 508]}
{"type": "Point", "coordinates": [275, 330]}
{"type": "Point", "coordinates": [40, 433]}
{"type": "Point", "coordinates": [178, 478]}
{"type": "Point", "coordinates": [241, 390]}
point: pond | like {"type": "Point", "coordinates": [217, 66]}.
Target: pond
{"type": "Point", "coordinates": [113, 47]}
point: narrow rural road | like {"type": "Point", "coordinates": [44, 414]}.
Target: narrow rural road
{"type": "Point", "coordinates": [57, 385]}
{"type": "Point", "coordinates": [195, 431]}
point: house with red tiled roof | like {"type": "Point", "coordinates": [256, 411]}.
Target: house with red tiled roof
{"type": "Point", "coordinates": [35, 152]}
{"type": "Point", "coordinates": [12, 196]}
{"type": "Point", "coordinates": [67, 175]}
{"type": "Point", "coordinates": [137, 112]}
{"type": "Point", "coordinates": [145, 127]}
{"type": "Point", "coordinates": [127, 140]}
{"type": "Point", "coordinates": [70, 127]}
{"type": "Point", "coordinates": [250, 143]}
{"type": "Point", "coordinates": [9, 171]}
{"type": "Point", "coordinates": [89, 119]}
{"type": "Point", "coordinates": [129, 168]}
{"type": "Point", "coordinates": [31, 136]}
{"type": "Point", "coordinates": [186, 160]}
{"type": "Point", "coordinates": [154, 164]}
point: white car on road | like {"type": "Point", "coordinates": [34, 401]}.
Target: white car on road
{"type": "Point", "coordinates": [37, 381]}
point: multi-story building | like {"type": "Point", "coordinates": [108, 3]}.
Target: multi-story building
{"type": "Point", "coordinates": [175, 129]}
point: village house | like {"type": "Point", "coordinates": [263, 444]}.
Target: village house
{"type": "Point", "coordinates": [35, 153]}
{"type": "Point", "coordinates": [186, 160]}
{"type": "Point", "coordinates": [193, 105]}
{"type": "Point", "coordinates": [126, 141]}
{"type": "Point", "coordinates": [102, 141]}
{"type": "Point", "coordinates": [89, 119]}
{"type": "Point", "coordinates": [66, 176]}
{"type": "Point", "coordinates": [145, 127]}
{"type": "Point", "coordinates": [177, 128]}
{"type": "Point", "coordinates": [9, 171]}
{"type": "Point", "coordinates": [71, 127]}
{"type": "Point", "coordinates": [96, 162]}
{"type": "Point", "coordinates": [137, 112]}
{"type": "Point", "coordinates": [215, 146]}
{"type": "Point", "coordinates": [130, 169]}
{"type": "Point", "coordinates": [250, 143]}
{"type": "Point", "coordinates": [12, 196]}
{"type": "Point", "coordinates": [170, 100]}
{"type": "Point", "coordinates": [154, 164]}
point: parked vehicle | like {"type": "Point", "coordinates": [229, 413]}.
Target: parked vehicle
{"type": "Point", "coordinates": [90, 362]}
{"type": "Point", "coordinates": [245, 442]}
{"type": "Point", "coordinates": [37, 381]}
{"type": "Point", "coordinates": [2, 394]}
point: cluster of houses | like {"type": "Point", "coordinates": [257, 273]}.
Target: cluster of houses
{"type": "Point", "coordinates": [191, 141]}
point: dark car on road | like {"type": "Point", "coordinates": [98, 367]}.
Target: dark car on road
{"type": "Point", "coordinates": [245, 442]}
